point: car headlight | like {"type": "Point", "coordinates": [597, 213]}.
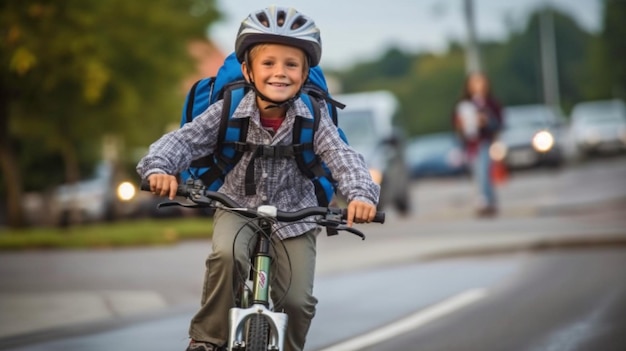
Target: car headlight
{"type": "Point", "coordinates": [126, 191]}
{"type": "Point", "coordinates": [543, 141]}
{"type": "Point", "coordinates": [377, 175]}
{"type": "Point", "coordinates": [498, 151]}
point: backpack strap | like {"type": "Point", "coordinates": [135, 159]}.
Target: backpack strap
{"type": "Point", "coordinates": [267, 151]}
{"type": "Point", "coordinates": [199, 98]}
{"type": "Point", "coordinates": [308, 162]}
{"type": "Point", "coordinates": [231, 143]}
{"type": "Point", "coordinates": [314, 91]}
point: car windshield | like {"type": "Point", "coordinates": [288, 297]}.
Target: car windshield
{"type": "Point", "coordinates": [599, 113]}
{"type": "Point", "coordinates": [426, 146]}
{"type": "Point", "coordinates": [358, 126]}
{"type": "Point", "coordinates": [527, 117]}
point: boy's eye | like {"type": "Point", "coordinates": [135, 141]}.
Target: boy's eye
{"type": "Point", "coordinates": [292, 64]}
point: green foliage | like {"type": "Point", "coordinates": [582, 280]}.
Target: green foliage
{"type": "Point", "coordinates": [428, 85]}
{"type": "Point", "coordinates": [76, 70]}
{"type": "Point", "coordinates": [608, 53]}
{"type": "Point", "coordinates": [121, 234]}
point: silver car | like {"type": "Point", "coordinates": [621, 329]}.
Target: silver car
{"type": "Point", "coordinates": [533, 135]}
{"type": "Point", "coordinates": [599, 127]}
{"type": "Point", "coordinates": [367, 122]}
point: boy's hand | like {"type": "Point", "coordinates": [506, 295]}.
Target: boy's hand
{"type": "Point", "coordinates": [360, 212]}
{"type": "Point", "coordinates": [163, 185]}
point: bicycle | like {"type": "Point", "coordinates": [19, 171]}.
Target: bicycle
{"type": "Point", "coordinates": [253, 325]}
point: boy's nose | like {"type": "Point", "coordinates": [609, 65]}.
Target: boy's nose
{"type": "Point", "coordinates": [279, 70]}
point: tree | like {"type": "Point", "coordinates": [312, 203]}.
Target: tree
{"type": "Point", "coordinates": [609, 78]}
{"type": "Point", "coordinates": [75, 70]}
{"type": "Point", "coordinates": [428, 85]}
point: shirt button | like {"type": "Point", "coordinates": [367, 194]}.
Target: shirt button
{"type": "Point", "coordinates": [264, 175]}
{"type": "Point", "coordinates": [264, 198]}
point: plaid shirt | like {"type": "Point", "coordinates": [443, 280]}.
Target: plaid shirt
{"type": "Point", "coordinates": [279, 181]}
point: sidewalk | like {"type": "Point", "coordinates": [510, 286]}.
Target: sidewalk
{"type": "Point", "coordinates": [527, 222]}
{"type": "Point", "coordinates": [458, 233]}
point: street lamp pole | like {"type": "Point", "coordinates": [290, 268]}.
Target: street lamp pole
{"type": "Point", "coordinates": [549, 68]}
{"type": "Point", "coordinates": [472, 54]}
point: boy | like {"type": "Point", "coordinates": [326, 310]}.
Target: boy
{"type": "Point", "coordinates": [276, 46]}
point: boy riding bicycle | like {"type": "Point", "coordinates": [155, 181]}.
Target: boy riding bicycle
{"type": "Point", "coordinates": [276, 46]}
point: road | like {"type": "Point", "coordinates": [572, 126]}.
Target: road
{"type": "Point", "coordinates": [571, 300]}
{"type": "Point", "coordinates": [76, 300]}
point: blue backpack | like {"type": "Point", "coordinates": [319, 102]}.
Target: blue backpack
{"type": "Point", "coordinates": [230, 86]}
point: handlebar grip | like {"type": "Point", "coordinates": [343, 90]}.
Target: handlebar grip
{"type": "Point", "coordinates": [182, 190]}
{"type": "Point", "coordinates": [379, 217]}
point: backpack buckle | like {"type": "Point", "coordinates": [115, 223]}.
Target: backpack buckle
{"type": "Point", "coordinates": [268, 151]}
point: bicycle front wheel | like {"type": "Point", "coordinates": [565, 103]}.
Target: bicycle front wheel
{"type": "Point", "coordinates": [258, 333]}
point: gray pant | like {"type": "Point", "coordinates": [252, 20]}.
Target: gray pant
{"type": "Point", "coordinates": [291, 278]}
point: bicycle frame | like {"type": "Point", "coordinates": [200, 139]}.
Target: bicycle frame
{"type": "Point", "coordinates": [260, 304]}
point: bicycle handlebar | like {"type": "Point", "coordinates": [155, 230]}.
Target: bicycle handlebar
{"type": "Point", "coordinates": [198, 194]}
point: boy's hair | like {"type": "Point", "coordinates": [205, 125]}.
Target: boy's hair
{"type": "Point", "coordinates": [253, 50]}
{"type": "Point", "coordinates": [279, 25]}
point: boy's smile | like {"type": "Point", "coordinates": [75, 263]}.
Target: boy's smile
{"type": "Point", "coordinates": [278, 71]}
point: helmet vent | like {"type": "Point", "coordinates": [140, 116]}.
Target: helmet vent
{"type": "Point", "coordinates": [263, 19]}
{"type": "Point", "coordinates": [299, 22]}
{"type": "Point", "coordinates": [280, 18]}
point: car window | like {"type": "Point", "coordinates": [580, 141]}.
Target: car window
{"type": "Point", "coordinates": [358, 126]}
{"type": "Point", "coordinates": [426, 146]}
{"type": "Point", "coordinates": [598, 113]}
{"type": "Point", "coordinates": [528, 117]}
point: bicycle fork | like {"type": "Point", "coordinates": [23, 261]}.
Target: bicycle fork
{"type": "Point", "coordinates": [260, 304]}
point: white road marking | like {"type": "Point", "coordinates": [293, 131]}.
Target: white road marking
{"type": "Point", "coordinates": [411, 322]}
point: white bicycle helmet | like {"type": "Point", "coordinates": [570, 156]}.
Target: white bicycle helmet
{"type": "Point", "coordinates": [279, 25]}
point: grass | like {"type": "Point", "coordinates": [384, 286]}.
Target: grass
{"type": "Point", "coordinates": [108, 235]}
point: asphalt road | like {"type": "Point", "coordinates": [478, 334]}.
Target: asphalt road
{"type": "Point", "coordinates": [349, 305]}
{"type": "Point", "coordinates": [572, 300]}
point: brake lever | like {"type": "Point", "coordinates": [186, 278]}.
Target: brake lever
{"type": "Point", "coordinates": [340, 226]}
{"type": "Point", "coordinates": [351, 230]}
{"type": "Point", "coordinates": [176, 203]}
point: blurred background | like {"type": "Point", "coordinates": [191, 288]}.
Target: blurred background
{"type": "Point", "coordinates": [87, 85]}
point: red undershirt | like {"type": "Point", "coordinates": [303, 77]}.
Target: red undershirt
{"type": "Point", "coordinates": [272, 123]}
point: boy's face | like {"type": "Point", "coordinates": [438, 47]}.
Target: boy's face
{"type": "Point", "coordinates": [278, 71]}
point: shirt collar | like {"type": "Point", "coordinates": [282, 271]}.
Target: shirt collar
{"type": "Point", "coordinates": [248, 108]}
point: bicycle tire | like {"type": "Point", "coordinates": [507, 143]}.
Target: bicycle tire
{"type": "Point", "coordinates": [258, 333]}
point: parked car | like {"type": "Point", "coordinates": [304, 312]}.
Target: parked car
{"type": "Point", "coordinates": [436, 155]}
{"type": "Point", "coordinates": [104, 196]}
{"type": "Point", "coordinates": [368, 124]}
{"type": "Point", "coordinates": [599, 127]}
{"type": "Point", "coordinates": [533, 135]}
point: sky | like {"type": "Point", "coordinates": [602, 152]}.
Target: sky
{"type": "Point", "coordinates": [357, 31]}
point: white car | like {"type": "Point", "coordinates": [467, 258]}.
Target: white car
{"type": "Point", "coordinates": [367, 121]}
{"type": "Point", "coordinates": [599, 126]}
{"type": "Point", "coordinates": [99, 198]}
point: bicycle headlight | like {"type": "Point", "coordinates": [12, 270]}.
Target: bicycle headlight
{"type": "Point", "coordinates": [126, 191]}
{"type": "Point", "coordinates": [543, 141]}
